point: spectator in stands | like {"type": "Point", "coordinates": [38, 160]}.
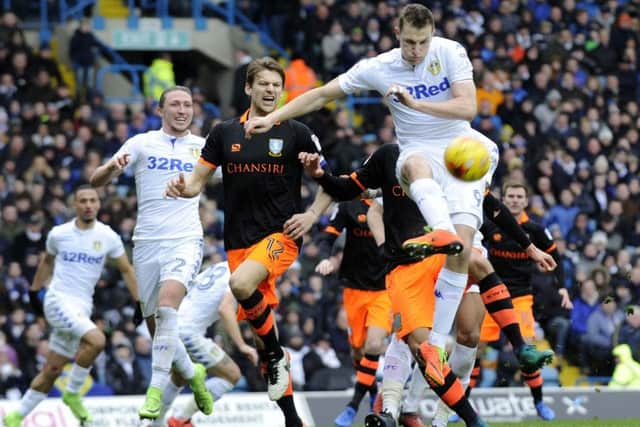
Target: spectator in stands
{"type": "Point", "coordinates": [11, 378]}
{"type": "Point", "coordinates": [597, 342]}
{"type": "Point", "coordinates": [240, 100]}
{"type": "Point", "coordinates": [320, 356]}
{"type": "Point", "coordinates": [124, 375]}
{"type": "Point", "coordinates": [82, 50]}
{"type": "Point", "coordinates": [297, 350]}
{"type": "Point", "coordinates": [354, 48]}
{"type": "Point", "coordinates": [563, 215]}
{"type": "Point", "coordinates": [299, 77]}
{"type": "Point", "coordinates": [630, 331]}
{"type": "Point", "coordinates": [332, 43]}
{"type": "Point", "coordinates": [579, 234]}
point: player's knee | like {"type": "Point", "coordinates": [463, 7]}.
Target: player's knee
{"type": "Point", "coordinates": [240, 287]}
{"type": "Point", "coordinates": [232, 373]}
{"type": "Point", "coordinates": [479, 266]}
{"type": "Point", "coordinates": [468, 338]}
{"type": "Point", "coordinates": [95, 340]}
{"type": "Point", "coordinates": [171, 294]}
{"type": "Point", "coordinates": [356, 354]}
{"type": "Point", "coordinates": [415, 167]}
{"type": "Point", "coordinates": [52, 370]}
{"type": "Point", "coordinates": [374, 345]}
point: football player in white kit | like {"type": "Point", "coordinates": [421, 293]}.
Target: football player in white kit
{"type": "Point", "coordinates": [75, 255]}
{"type": "Point", "coordinates": [429, 88]}
{"type": "Point", "coordinates": [167, 239]}
{"type": "Point", "coordinates": [209, 299]}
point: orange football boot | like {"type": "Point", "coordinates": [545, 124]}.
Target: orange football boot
{"type": "Point", "coordinates": [434, 360]}
{"type": "Point", "coordinates": [434, 242]}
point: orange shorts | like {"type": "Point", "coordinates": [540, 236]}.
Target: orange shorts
{"type": "Point", "coordinates": [276, 252]}
{"type": "Point", "coordinates": [364, 309]}
{"type": "Point", "coordinates": [490, 330]}
{"type": "Point", "coordinates": [411, 289]}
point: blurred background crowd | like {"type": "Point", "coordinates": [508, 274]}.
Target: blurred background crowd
{"type": "Point", "coordinates": [557, 91]}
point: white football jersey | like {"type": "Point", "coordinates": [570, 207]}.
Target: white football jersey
{"type": "Point", "coordinates": [79, 257]}
{"type": "Point", "coordinates": [156, 158]}
{"type": "Point", "coordinates": [199, 309]}
{"type": "Point", "coordinates": [446, 63]}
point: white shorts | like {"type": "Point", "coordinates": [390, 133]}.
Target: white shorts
{"type": "Point", "coordinates": [197, 312]}
{"type": "Point", "coordinates": [199, 309]}
{"type": "Point", "coordinates": [70, 320]}
{"type": "Point", "coordinates": [462, 197]}
{"type": "Point", "coordinates": [157, 261]}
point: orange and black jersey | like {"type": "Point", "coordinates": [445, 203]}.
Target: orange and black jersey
{"type": "Point", "coordinates": [362, 265]}
{"type": "Point", "coordinates": [402, 219]}
{"type": "Point", "coordinates": [511, 262]}
{"type": "Point", "coordinates": [261, 176]}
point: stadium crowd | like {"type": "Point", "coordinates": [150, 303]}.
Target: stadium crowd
{"type": "Point", "coordinates": [557, 90]}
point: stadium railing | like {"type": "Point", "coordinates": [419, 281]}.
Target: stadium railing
{"type": "Point", "coordinates": [231, 14]}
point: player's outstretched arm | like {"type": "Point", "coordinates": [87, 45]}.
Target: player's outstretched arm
{"type": "Point", "coordinates": [463, 105]}
{"type": "Point", "coordinates": [43, 273]}
{"type": "Point", "coordinates": [114, 167]}
{"type": "Point", "coordinates": [228, 316]}
{"type": "Point", "coordinates": [307, 102]}
{"type": "Point", "coordinates": [128, 274]}
{"type": "Point", "coordinates": [191, 185]}
{"type": "Point", "coordinates": [375, 222]}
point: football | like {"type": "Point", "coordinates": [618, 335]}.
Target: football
{"type": "Point", "coordinates": [467, 158]}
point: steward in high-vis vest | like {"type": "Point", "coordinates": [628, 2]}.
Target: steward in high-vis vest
{"type": "Point", "coordinates": [158, 77]}
{"type": "Point", "coordinates": [627, 371]}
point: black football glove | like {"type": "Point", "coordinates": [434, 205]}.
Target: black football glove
{"type": "Point", "coordinates": [35, 300]}
{"type": "Point", "coordinates": [138, 318]}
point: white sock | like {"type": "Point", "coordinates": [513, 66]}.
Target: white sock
{"type": "Point", "coordinates": [169, 394]}
{"type": "Point", "coordinates": [187, 410]}
{"type": "Point", "coordinates": [165, 342]}
{"type": "Point", "coordinates": [77, 375]}
{"type": "Point", "coordinates": [417, 390]}
{"type": "Point", "coordinates": [396, 372]}
{"type": "Point", "coordinates": [30, 400]}
{"type": "Point", "coordinates": [218, 386]}
{"type": "Point", "coordinates": [449, 290]}
{"type": "Point", "coordinates": [182, 361]}
{"type": "Point", "coordinates": [429, 197]}
{"type": "Point", "coordinates": [461, 362]}
{"type": "Point", "coordinates": [391, 396]}
{"type": "Point", "coordinates": [397, 361]}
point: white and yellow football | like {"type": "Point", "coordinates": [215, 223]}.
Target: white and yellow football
{"type": "Point", "coordinates": [467, 158]}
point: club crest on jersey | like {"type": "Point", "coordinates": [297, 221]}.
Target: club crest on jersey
{"type": "Point", "coordinates": [97, 245]}
{"type": "Point", "coordinates": [275, 147]}
{"type": "Point", "coordinates": [434, 67]}
{"type": "Point", "coordinates": [195, 152]}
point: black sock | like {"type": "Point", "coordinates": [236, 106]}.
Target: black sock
{"type": "Point", "coordinates": [456, 399]}
{"type": "Point", "coordinates": [358, 394]}
{"type": "Point", "coordinates": [291, 418]}
{"type": "Point", "coordinates": [497, 300]}
{"type": "Point", "coordinates": [261, 319]}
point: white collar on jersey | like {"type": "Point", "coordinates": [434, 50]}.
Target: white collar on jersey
{"type": "Point", "coordinates": [171, 138]}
